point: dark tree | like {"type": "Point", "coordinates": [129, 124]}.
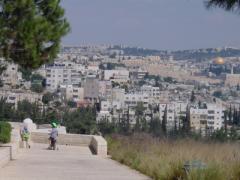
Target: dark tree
{"type": "Point", "coordinates": [37, 88]}
{"type": "Point", "coordinates": [230, 116]}
{"type": "Point", "coordinates": [235, 116]}
{"type": "Point", "coordinates": [47, 97]}
{"type": "Point", "coordinates": [81, 121]}
{"type": "Point", "coordinates": [225, 121]}
{"type": "Point", "coordinates": [31, 31]}
{"type": "Point", "coordinates": [186, 128]}
{"type": "Point", "coordinates": [155, 127]}
{"type": "Point", "coordinates": [193, 97]}
{"type": "Point", "coordinates": [225, 4]}
{"type": "Point", "coordinates": [238, 87]}
{"type": "Point", "coordinates": [164, 121]}
{"type": "Point", "coordinates": [26, 73]}
{"type": "Point", "coordinates": [139, 113]}
{"type": "Point", "coordinates": [72, 104]}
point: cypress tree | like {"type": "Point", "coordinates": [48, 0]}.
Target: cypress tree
{"type": "Point", "coordinates": [164, 121]}
{"type": "Point", "coordinates": [31, 31]}
{"type": "Point", "coordinates": [238, 118]}
{"type": "Point", "coordinates": [193, 98]}
{"type": "Point", "coordinates": [234, 116]}
{"type": "Point", "coordinates": [225, 121]}
{"type": "Point", "coordinates": [230, 115]}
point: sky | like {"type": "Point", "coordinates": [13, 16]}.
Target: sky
{"type": "Point", "coordinates": [155, 24]}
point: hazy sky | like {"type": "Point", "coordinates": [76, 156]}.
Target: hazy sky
{"type": "Point", "coordinates": [159, 24]}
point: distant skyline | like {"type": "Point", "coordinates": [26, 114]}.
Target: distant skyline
{"type": "Point", "coordinates": [154, 24]}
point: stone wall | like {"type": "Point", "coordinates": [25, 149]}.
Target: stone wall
{"type": "Point", "coordinates": [99, 145]}
{"type": "Point", "coordinates": [63, 139]}
{"type": "Point", "coordinates": [96, 143]}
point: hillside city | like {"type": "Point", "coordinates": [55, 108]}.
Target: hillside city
{"type": "Point", "coordinates": [119, 90]}
{"type": "Point", "coordinates": [135, 86]}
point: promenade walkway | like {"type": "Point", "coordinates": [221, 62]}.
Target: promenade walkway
{"type": "Point", "coordinates": [68, 163]}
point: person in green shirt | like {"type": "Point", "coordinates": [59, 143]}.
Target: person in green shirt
{"type": "Point", "coordinates": [25, 134]}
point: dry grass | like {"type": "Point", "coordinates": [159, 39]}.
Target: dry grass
{"type": "Point", "coordinates": [164, 159]}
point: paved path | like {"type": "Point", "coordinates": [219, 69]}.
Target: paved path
{"type": "Point", "coordinates": [68, 163]}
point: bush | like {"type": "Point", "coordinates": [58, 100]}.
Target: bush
{"type": "Point", "coordinates": [37, 88]}
{"type": "Point", "coordinates": [5, 132]}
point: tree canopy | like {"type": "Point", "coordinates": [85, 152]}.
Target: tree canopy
{"type": "Point", "coordinates": [31, 31]}
{"type": "Point", "coordinates": [225, 4]}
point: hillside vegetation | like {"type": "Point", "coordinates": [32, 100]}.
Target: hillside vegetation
{"type": "Point", "coordinates": [164, 159]}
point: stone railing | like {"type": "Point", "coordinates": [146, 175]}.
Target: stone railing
{"type": "Point", "coordinates": [97, 144]}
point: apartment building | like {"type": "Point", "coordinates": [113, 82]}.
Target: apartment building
{"type": "Point", "coordinates": [91, 89]}
{"type": "Point", "coordinates": [137, 73]}
{"type": "Point", "coordinates": [105, 89]}
{"type": "Point", "coordinates": [210, 118]}
{"type": "Point", "coordinates": [132, 99]}
{"type": "Point", "coordinates": [15, 96]}
{"type": "Point", "coordinates": [104, 113]}
{"type": "Point", "coordinates": [232, 80]}
{"type": "Point", "coordinates": [11, 76]}
{"type": "Point", "coordinates": [62, 73]}
{"type": "Point", "coordinates": [173, 112]}
{"type": "Point", "coordinates": [120, 76]}
{"type": "Point", "coordinates": [168, 110]}
{"type": "Point", "coordinates": [152, 92]}
{"type": "Point", "coordinates": [71, 92]}
{"type": "Point", "coordinates": [118, 95]}
{"type": "Point", "coordinates": [104, 116]}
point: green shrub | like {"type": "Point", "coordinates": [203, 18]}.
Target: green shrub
{"type": "Point", "coordinates": [5, 132]}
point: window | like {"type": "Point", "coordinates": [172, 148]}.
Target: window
{"type": "Point", "coordinates": [211, 112]}
{"type": "Point", "coordinates": [210, 117]}
{"type": "Point", "coordinates": [12, 98]}
{"type": "Point", "coordinates": [202, 116]}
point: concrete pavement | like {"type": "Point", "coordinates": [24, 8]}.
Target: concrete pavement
{"type": "Point", "coordinates": [68, 163]}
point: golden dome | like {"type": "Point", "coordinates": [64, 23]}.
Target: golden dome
{"type": "Point", "coordinates": [219, 61]}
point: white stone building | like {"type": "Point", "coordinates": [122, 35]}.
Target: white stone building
{"type": "Point", "coordinates": [105, 89]}
{"type": "Point", "coordinates": [11, 76]}
{"type": "Point", "coordinates": [71, 92]}
{"type": "Point", "coordinates": [62, 73]}
{"type": "Point", "coordinates": [210, 118]}
{"type": "Point", "coordinates": [120, 76]}
{"type": "Point", "coordinates": [91, 89]}
{"type": "Point", "coordinates": [174, 111]}
{"type": "Point", "coordinates": [132, 99]}
{"type": "Point", "coordinates": [15, 96]}
{"type": "Point", "coordinates": [152, 92]}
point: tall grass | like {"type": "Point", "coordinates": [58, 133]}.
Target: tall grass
{"type": "Point", "coordinates": [164, 159]}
